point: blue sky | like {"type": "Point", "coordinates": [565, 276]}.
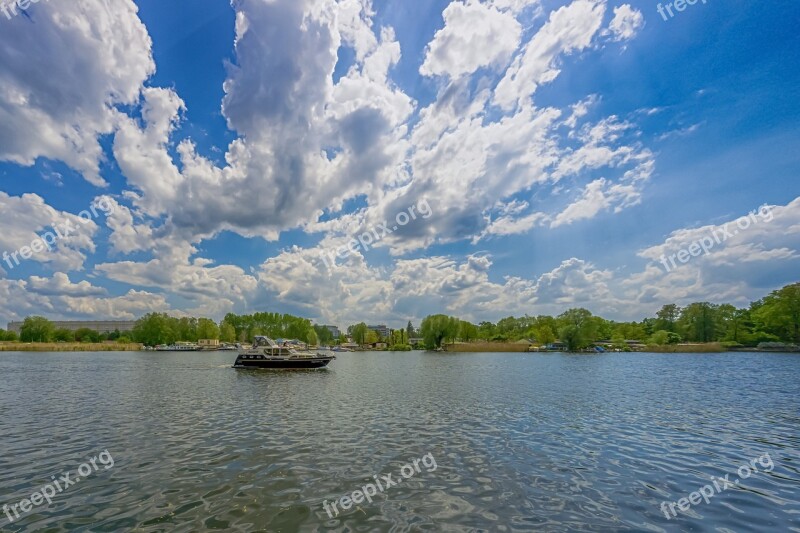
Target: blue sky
{"type": "Point", "coordinates": [562, 148]}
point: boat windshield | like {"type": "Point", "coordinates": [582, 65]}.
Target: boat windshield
{"type": "Point", "coordinates": [263, 341]}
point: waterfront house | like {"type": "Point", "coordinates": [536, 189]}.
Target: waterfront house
{"type": "Point", "coordinates": [208, 344]}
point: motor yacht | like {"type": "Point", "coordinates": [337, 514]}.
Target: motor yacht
{"type": "Point", "coordinates": [266, 353]}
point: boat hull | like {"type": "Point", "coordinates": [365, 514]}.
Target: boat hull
{"type": "Point", "coordinates": [304, 363]}
{"type": "Point", "coordinates": [168, 349]}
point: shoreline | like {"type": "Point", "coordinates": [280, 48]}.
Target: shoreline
{"type": "Point", "coordinates": [68, 347]}
{"type": "Point", "coordinates": [46, 347]}
{"type": "Point", "coordinates": [712, 347]}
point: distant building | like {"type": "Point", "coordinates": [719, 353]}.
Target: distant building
{"type": "Point", "coordinates": [208, 343]}
{"type": "Point", "coordinates": [334, 331]}
{"type": "Point", "coordinates": [382, 331]}
{"type": "Point", "coordinates": [100, 326]}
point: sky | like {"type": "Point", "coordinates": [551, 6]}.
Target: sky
{"type": "Point", "coordinates": [384, 160]}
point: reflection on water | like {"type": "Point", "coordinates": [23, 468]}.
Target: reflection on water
{"type": "Point", "coordinates": [523, 442]}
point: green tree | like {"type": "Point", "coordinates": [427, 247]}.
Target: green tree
{"type": "Point", "coordinates": [87, 335]}
{"type": "Point", "coordinates": [660, 338]}
{"type": "Point", "coordinates": [311, 337]}
{"type": "Point", "coordinates": [410, 330]}
{"type": "Point", "coordinates": [63, 335]}
{"type": "Point", "coordinates": [507, 327]}
{"type": "Point", "coordinates": [227, 333]}
{"type": "Point", "coordinates": [324, 335]}
{"type": "Point", "coordinates": [577, 328]}
{"type": "Point", "coordinates": [371, 337]}
{"type": "Point", "coordinates": [274, 325]}
{"type": "Point", "coordinates": [571, 336]}
{"type": "Point", "coordinates": [237, 323]}
{"type": "Point", "coordinates": [512, 328]}
{"type": "Point", "coordinates": [698, 322]}
{"type": "Point", "coordinates": [359, 333]}
{"type": "Point", "coordinates": [600, 328]}
{"type": "Point", "coordinates": [546, 320]}
{"type": "Point", "coordinates": [207, 329]}
{"type": "Point", "coordinates": [36, 329]}
{"type": "Point", "coordinates": [542, 333]}
{"type": "Point", "coordinates": [467, 331]}
{"type": "Point", "coordinates": [155, 328]}
{"type": "Point", "coordinates": [399, 338]}
{"type": "Point", "coordinates": [486, 330]}
{"type": "Point", "coordinates": [734, 324]}
{"type": "Point", "coordinates": [7, 336]}
{"type": "Point", "coordinates": [185, 328]}
{"type": "Point", "coordinates": [649, 327]}
{"type": "Point", "coordinates": [629, 331]}
{"type": "Point", "coordinates": [779, 312]}
{"type": "Point", "coordinates": [667, 318]}
{"type": "Point", "coordinates": [436, 329]}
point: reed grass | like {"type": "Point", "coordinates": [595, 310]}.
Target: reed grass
{"type": "Point", "coordinates": [485, 347]}
{"type": "Point", "coordinates": [709, 347]}
{"type": "Point", "coordinates": [67, 347]}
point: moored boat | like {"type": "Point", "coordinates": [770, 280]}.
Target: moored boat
{"type": "Point", "coordinates": [229, 347]}
{"type": "Point", "coordinates": [266, 353]}
{"type": "Point", "coordinates": [178, 347]}
{"type": "Point", "coordinates": [340, 349]}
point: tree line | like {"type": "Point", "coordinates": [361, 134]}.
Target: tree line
{"type": "Point", "coordinates": [774, 318]}
{"type": "Point", "coordinates": [39, 329]}
{"type": "Point", "coordinates": [160, 328]}
{"type": "Point", "coordinates": [8, 336]}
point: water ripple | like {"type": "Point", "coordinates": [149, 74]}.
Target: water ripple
{"type": "Point", "coordinates": [544, 442]}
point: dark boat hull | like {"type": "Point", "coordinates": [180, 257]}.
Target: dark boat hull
{"type": "Point", "coordinates": [318, 362]}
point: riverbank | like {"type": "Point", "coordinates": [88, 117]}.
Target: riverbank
{"type": "Point", "coordinates": [516, 347]}
{"type": "Point", "coordinates": [511, 347]}
{"type": "Point", "coordinates": [710, 347]}
{"type": "Point", "coordinates": [68, 347]}
{"type": "Point", "coordinates": [504, 347]}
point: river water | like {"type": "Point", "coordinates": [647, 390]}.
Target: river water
{"type": "Point", "coordinates": [502, 442]}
